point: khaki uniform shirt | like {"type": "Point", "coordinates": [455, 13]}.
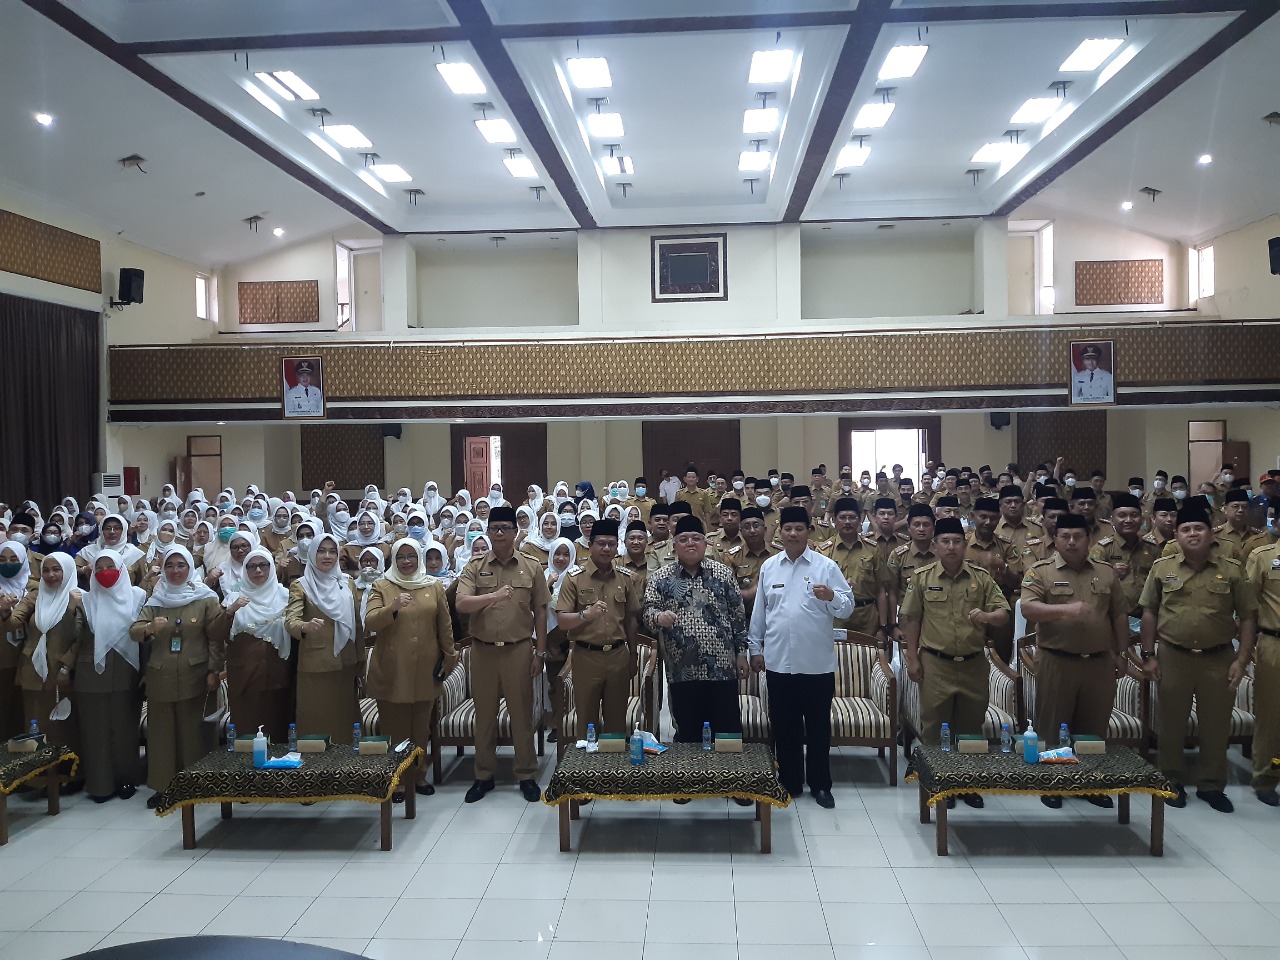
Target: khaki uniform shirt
{"type": "Point", "coordinates": [510, 621]}
{"type": "Point", "coordinates": [201, 628]}
{"type": "Point", "coordinates": [646, 505]}
{"type": "Point", "coordinates": [1256, 542]}
{"type": "Point", "coordinates": [662, 554]}
{"type": "Point", "coordinates": [1197, 610]}
{"type": "Point", "coordinates": [1103, 511]}
{"type": "Point", "coordinates": [1263, 572]}
{"type": "Point", "coordinates": [642, 569]}
{"type": "Point", "coordinates": [1100, 531]}
{"type": "Point", "coordinates": [700, 499]}
{"type": "Point", "coordinates": [942, 603]}
{"type": "Point", "coordinates": [62, 645]}
{"type": "Point", "coordinates": [618, 587]}
{"type": "Point", "coordinates": [1231, 541]}
{"type": "Point", "coordinates": [746, 565]}
{"type": "Point", "coordinates": [315, 647]}
{"type": "Point", "coordinates": [905, 561]}
{"type": "Point", "coordinates": [1139, 558]}
{"type": "Point", "coordinates": [1052, 581]}
{"type": "Point", "coordinates": [411, 642]}
{"type": "Point", "coordinates": [989, 556]}
{"type": "Point", "coordinates": [861, 565]}
{"type": "Point", "coordinates": [885, 545]}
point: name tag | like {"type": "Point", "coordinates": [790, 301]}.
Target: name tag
{"type": "Point", "coordinates": [1061, 583]}
{"type": "Point", "coordinates": [777, 586]}
{"type": "Point", "coordinates": [486, 573]}
{"type": "Point", "coordinates": [175, 644]}
{"type": "Point", "coordinates": [939, 589]}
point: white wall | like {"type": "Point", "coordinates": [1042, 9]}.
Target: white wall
{"type": "Point", "coordinates": [1244, 286]}
{"type": "Point", "coordinates": [1075, 239]}
{"type": "Point", "coordinates": [510, 287]}
{"type": "Point", "coordinates": [244, 453]}
{"type": "Point", "coordinates": [422, 453]}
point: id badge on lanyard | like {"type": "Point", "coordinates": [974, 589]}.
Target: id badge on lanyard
{"type": "Point", "coordinates": [175, 642]}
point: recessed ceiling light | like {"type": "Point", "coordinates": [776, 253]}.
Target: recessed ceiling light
{"type": "Point", "coordinates": [520, 167]}
{"type": "Point", "coordinates": [754, 161]}
{"type": "Point", "coordinates": [615, 166]}
{"type": "Point", "coordinates": [770, 66]}
{"type": "Point", "coordinates": [325, 145]}
{"type": "Point", "coordinates": [372, 181]}
{"type": "Point", "coordinates": [1089, 55]}
{"type": "Point", "coordinates": [278, 231]}
{"type": "Point", "coordinates": [1036, 110]}
{"type": "Point", "coordinates": [297, 85]}
{"type": "Point", "coordinates": [1052, 124]}
{"type": "Point", "coordinates": [1205, 159]}
{"type": "Point", "coordinates": [1127, 205]}
{"type": "Point", "coordinates": [852, 155]}
{"type": "Point", "coordinates": [991, 152]}
{"type": "Point", "coordinates": [256, 92]}
{"type": "Point", "coordinates": [44, 119]}
{"type": "Point", "coordinates": [604, 124]}
{"type": "Point", "coordinates": [275, 86]}
{"type": "Point", "coordinates": [345, 135]}
{"type": "Point", "coordinates": [871, 116]}
{"type": "Point", "coordinates": [1118, 63]}
{"type": "Point", "coordinates": [902, 62]}
{"type": "Point", "coordinates": [462, 78]}
{"type": "Point", "coordinates": [589, 73]}
{"type": "Point", "coordinates": [390, 172]}
{"type": "Point", "coordinates": [760, 120]}
{"type": "Point", "coordinates": [496, 130]}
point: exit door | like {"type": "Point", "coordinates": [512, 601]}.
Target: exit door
{"type": "Point", "coordinates": [478, 464]}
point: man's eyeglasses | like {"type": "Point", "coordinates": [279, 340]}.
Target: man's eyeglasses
{"type": "Point", "coordinates": [690, 539]}
{"type": "Point", "coordinates": [501, 528]}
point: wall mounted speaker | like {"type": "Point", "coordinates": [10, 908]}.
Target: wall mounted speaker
{"type": "Point", "coordinates": [392, 430]}
{"type": "Point", "coordinates": [1273, 248]}
{"type": "Point", "coordinates": [130, 285]}
{"type": "Point", "coordinates": [1000, 420]}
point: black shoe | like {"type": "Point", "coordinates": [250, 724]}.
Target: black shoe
{"type": "Point", "coordinates": [1102, 800]}
{"type": "Point", "coordinates": [530, 790]}
{"type": "Point", "coordinates": [681, 800]}
{"type": "Point", "coordinates": [1216, 799]}
{"type": "Point", "coordinates": [424, 789]}
{"type": "Point", "coordinates": [398, 797]}
{"type": "Point", "coordinates": [824, 799]}
{"type": "Point", "coordinates": [951, 803]}
{"type": "Point", "coordinates": [974, 800]}
{"type": "Point", "coordinates": [1180, 800]}
{"type": "Point", "coordinates": [552, 737]}
{"type": "Point", "coordinates": [744, 801]}
{"type": "Point", "coordinates": [109, 796]}
{"type": "Point", "coordinates": [1269, 797]}
{"type": "Point", "coordinates": [477, 791]}
{"type": "Point", "coordinates": [127, 791]}
{"type": "Point", "coordinates": [1053, 803]}
{"type": "Point", "coordinates": [153, 801]}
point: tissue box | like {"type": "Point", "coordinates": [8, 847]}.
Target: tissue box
{"type": "Point", "coordinates": [1089, 745]}
{"type": "Point", "coordinates": [27, 744]}
{"type": "Point", "coordinates": [613, 743]}
{"type": "Point", "coordinates": [971, 743]}
{"type": "Point", "coordinates": [243, 745]}
{"type": "Point", "coordinates": [728, 743]}
{"type": "Point", "coordinates": [374, 746]}
{"type": "Point", "coordinates": [313, 743]}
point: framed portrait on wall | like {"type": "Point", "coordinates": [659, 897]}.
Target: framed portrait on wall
{"type": "Point", "coordinates": [685, 269]}
{"type": "Point", "coordinates": [302, 388]}
{"type": "Point", "coordinates": [1092, 373]}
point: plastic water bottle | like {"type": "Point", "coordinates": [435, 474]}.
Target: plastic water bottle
{"type": "Point", "coordinates": [260, 750]}
{"type": "Point", "coordinates": [637, 746]}
{"type": "Point", "coordinates": [1030, 745]}
{"type": "Point", "coordinates": [231, 738]}
{"type": "Point", "coordinates": [355, 738]}
{"type": "Point", "coordinates": [34, 729]}
{"type": "Point", "coordinates": [1064, 736]}
{"type": "Point", "coordinates": [293, 738]}
{"type": "Point", "coordinates": [1006, 739]}
{"type": "Point", "coordinates": [946, 738]}
{"type": "Point", "coordinates": [708, 741]}
{"type": "Point", "coordinates": [591, 733]}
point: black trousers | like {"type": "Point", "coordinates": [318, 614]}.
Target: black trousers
{"type": "Point", "coordinates": [695, 702]}
{"type": "Point", "coordinates": [800, 716]}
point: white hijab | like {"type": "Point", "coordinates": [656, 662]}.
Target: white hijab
{"type": "Point", "coordinates": [538, 500]}
{"type": "Point", "coordinates": [420, 578]}
{"type": "Point", "coordinates": [495, 500]}
{"type": "Point", "coordinates": [51, 607]}
{"type": "Point", "coordinates": [216, 552]}
{"type": "Point", "coordinates": [152, 522]}
{"type": "Point", "coordinates": [432, 502]}
{"type": "Point", "coordinates": [560, 493]}
{"type": "Point", "coordinates": [128, 553]}
{"type": "Point", "coordinates": [264, 616]}
{"type": "Point", "coordinates": [111, 611]}
{"type": "Point", "coordinates": [168, 596]}
{"type": "Point", "coordinates": [16, 585]}
{"type": "Point", "coordinates": [363, 585]}
{"type": "Point", "coordinates": [359, 539]}
{"type": "Point", "coordinates": [559, 542]}
{"type": "Point", "coordinates": [330, 593]}
{"type": "Point", "coordinates": [232, 572]}
{"type": "Point", "coordinates": [156, 549]}
{"type": "Point", "coordinates": [538, 539]}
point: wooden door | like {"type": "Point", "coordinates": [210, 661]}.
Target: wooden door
{"type": "Point", "coordinates": [523, 452]}
{"type": "Point", "coordinates": [477, 465]}
{"type": "Point", "coordinates": [1207, 457]}
{"type": "Point", "coordinates": [673, 444]}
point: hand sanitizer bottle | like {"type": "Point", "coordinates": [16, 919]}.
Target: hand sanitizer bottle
{"type": "Point", "coordinates": [637, 746]}
{"type": "Point", "coordinates": [260, 749]}
{"type": "Point", "coordinates": [1030, 745]}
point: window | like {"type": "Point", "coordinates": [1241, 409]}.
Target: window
{"type": "Point", "coordinates": [342, 283]}
{"type": "Point", "coordinates": [1204, 269]}
{"type": "Point", "coordinates": [874, 450]}
{"type": "Point", "coordinates": [202, 296]}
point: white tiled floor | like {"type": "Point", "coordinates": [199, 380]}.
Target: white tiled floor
{"type": "Point", "coordinates": [654, 881]}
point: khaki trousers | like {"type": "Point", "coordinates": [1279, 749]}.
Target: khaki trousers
{"type": "Point", "coordinates": [952, 693]}
{"type": "Point", "coordinates": [1266, 712]}
{"type": "Point", "coordinates": [1204, 676]}
{"type": "Point", "coordinates": [503, 672]}
{"type": "Point", "coordinates": [175, 739]}
{"type": "Point", "coordinates": [412, 721]}
{"type": "Point", "coordinates": [863, 619]}
{"type": "Point", "coordinates": [1079, 693]}
{"type": "Point", "coordinates": [601, 677]}
{"type": "Point", "coordinates": [109, 739]}
{"type": "Point", "coordinates": [12, 722]}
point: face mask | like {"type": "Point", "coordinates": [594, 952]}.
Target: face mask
{"type": "Point", "coordinates": [566, 519]}
{"type": "Point", "coordinates": [9, 570]}
{"type": "Point", "coordinates": [762, 502]}
{"type": "Point", "coordinates": [257, 514]}
{"type": "Point", "coordinates": [224, 505]}
{"type": "Point", "coordinates": [168, 514]}
{"type": "Point", "coordinates": [937, 484]}
{"type": "Point", "coordinates": [84, 529]}
{"type": "Point", "coordinates": [773, 481]}
{"type": "Point", "coordinates": [941, 473]}
{"type": "Point", "coordinates": [226, 533]}
{"type": "Point", "coordinates": [1208, 498]}
{"type": "Point", "coordinates": [1136, 491]}
{"type": "Point", "coordinates": [400, 529]}
{"type": "Point", "coordinates": [1228, 477]}
{"type": "Point", "coordinates": [418, 532]}
{"type": "Point", "coordinates": [495, 493]}
{"type": "Point", "coordinates": [613, 491]}
{"type": "Point", "coordinates": [1249, 492]}
{"type": "Point", "coordinates": [446, 523]}
{"type": "Point", "coordinates": [1158, 484]}
{"type": "Point", "coordinates": [1071, 481]}
{"type": "Point", "coordinates": [471, 536]}
{"type": "Point", "coordinates": [739, 485]}
{"type": "Point", "coordinates": [342, 519]}
{"type": "Point", "coordinates": [22, 538]}
{"type": "Point", "coordinates": [865, 481]}
{"type": "Point", "coordinates": [1179, 494]}
{"type": "Point", "coordinates": [52, 539]}
{"type": "Point", "coordinates": [107, 578]}
{"type": "Point", "coordinates": [368, 575]}
{"type": "Point", "coordinates": [641, 491]}
{"type": "Point", "coordinates": [304, 545]}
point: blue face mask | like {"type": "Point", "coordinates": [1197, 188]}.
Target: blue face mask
{"type": "Point", "coordinates": [226, 533]}
{"type": "Point", "coordinates": [418, 532]}
{"type": "Point", "coordinates": [257, 514]}
{"type": "Point", "coordinates": [471, 536]}
{"type": "Point", "coordinates": [641, 491]}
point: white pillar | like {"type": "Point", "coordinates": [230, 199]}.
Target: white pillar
{"type": "Point", "coordinates": [991, 267]}
{"type": "Point", "coordinates": [399, 285]}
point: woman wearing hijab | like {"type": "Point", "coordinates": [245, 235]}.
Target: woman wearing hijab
{"type": "Point", "coordinates": [462, 500]}
{"type": "Point", "coordinates": [15, 584]}
{"type": "Point", "coordinates": [409, 612]}
{"type": "Point", "coordinates": [586, 520]}
{"type": "Point", "coordinates": [218, 550]}
{"type": "Point", "coordinates": [201, 537]}
{"type": "Point", "coordinates": [258, 675]}
{"type": "Point", "coordinates": [482, 511]}
{"type": "Point", "coordinates": [291, 561]}
{"type": "Point", "coordinates": [108, 694]}
{"type": "Point", "coordinates": [561, 557]}
{"type": "Point", "coordinates": [186, 626]}
{"type": "Point", "coordinates": [228, 576]}
{"type": "Point", "coordinates": [372, 566]}
{"type": "Point", "coordinates": [436, 557]}
{"type": "Point", "coordinates": [114, 538]}
{"type": "Point", "coordinates": [495, 497]}
{"type": "Point", "coordinates": [368, 533]}
{"type": "Point", "coordinates": [567, 517]}
{"type": "Point", "coordinates": [462, 550]}
{"type": "Point", "coordinates": [537, 545]}
{"type": "Point", "coordinates": [560, 494]}
{"type": "Point", "coordinates": [278, 530]}
{"type": "Point", "coordinates": [144, 525]}
{"type": "Point", "coordinates": [525, 523]}
{"type": "Point", "coordinates": [432, 502]}
{"type": "Point", "coordinates": [82, 534]}
{"type": "Point", "coordinates": [537, 501]}
{"type": "Point", "coordinates": [52, 540]}
{"type": "Point", "coordinates": [187, 523]}
{"type": "Point", "coordinates": [323, 617]}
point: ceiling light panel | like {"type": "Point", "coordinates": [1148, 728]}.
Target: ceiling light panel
{"type": "Point", "coordinates": [852, 155]}
{"type": "Point", "coordinates": [1090, 55]}
{"type": "Point", "coordinates": [1036, 110]}
{"type": "Point", "coordinates": [616, 166]}
{"type": "Point", "coordinates": [390, 173]}
{"type": "Point", "coordinates": [589, 73]}
{"type": "Point", "coordinates": [604, 124]}
{"type": "Point", "coordinates": [275, 86]}
{"type": "Point", "coordinates": [262, 97]}
{"type": "Point", "coordinates": [902, 62]}
{"type": "Point", "coordinates": [771, 66]}
{"type": "Point", "coordinates": [760, 120]}
{"type": "Point", "coordinates": [297, 85]}
{"type": "Point", "coordinates": [324, 145]}
{"type": "Point", "coordinates": [372, 181]}
{"type": "Point", "coordinates": [873, 116]}
{"type": "Point", "coordinates": [496, 130]}
{"type": "Point", "coordinates": [992, 152]}
{"type": "Point", "coordinates": [462, 78]}
{"type": "Point", "coordinates": [520, 167]}
{"type": "Point", "coordinates": [345, 135]}
{"type": "Point", "coordinates": [754, 161]}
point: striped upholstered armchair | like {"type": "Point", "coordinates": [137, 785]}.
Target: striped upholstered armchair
{"type": "Point", "coordinates": [864, 711]}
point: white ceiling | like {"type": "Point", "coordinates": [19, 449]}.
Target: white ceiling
{"type": "Point", "coordinates": [681, 94]}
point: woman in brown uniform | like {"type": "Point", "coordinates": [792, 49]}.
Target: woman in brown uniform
{"type": "Point", "coordinates": [15, 584]}
{"type": "Point", "coordinates": [322, 617]}
{"type": "Point", "coordinates": [258, 674]}
{"type": "Point", "coordinates": [408, 611]}
{"type": "Point", "coordinates": [108, 694]}
{"type": "Point", "coordinates": [187, 629]}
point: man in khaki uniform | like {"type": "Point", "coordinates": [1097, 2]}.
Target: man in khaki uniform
{"type": "Point", "coordinates": [862, 567]}
{"type": "Point", "coordinates": [598, 608]}
{"type": "Point", "coordinates": [905, 560]}
{"type": "Point", "coordinates": [993, 555]}
{"type": "Point", "coordinates": [636, 558]}
{"type": "Point", "coordinates": [1128, 554]}
{"type": "Point", "coordinates": [1195, 602]}
{"type": "Point", "coordinates": [747, 558]}
{"type": "Point", "coordinates": [946, 612]}
{"type": "Point", "coordinates": [885, 535]}
{"type": "Point", "coordinates": [1084, 502]}
{"type": "Point", "coordinates": [729, 535]}
{"type": "Point", "coordinates": [1233, 534]}
{"type": "Point", "coordinates": [1025, 537]}
{"type": "Point", "coordinates": [1262, 570]}
{"type": "Point", "coordinates": [640, 498]}
{"type": "Point", "coordinates": [659, 534]}
{"type": "Point", "coordinates": [1098, 481]}
{"type": "Point", "coordinates": [1082, 631]}
{"type": "Point", "coordinates": [698, 498]}
{"type": "Point", "coordinates": [820, 530]}
{"type": "Point", "coordinates": [505, 595]}
{"type": "Point", "coordinates": [1164, 517]}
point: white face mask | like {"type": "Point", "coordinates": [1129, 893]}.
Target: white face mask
{"type": "Point", "coordinates": [1157, 484]}
{"type": "Point", "coordinates": [1136, 491]}
{"type": "Point", "coordinates": [368, 574]}
{"type": "Point", "coordinates": [495, 492]}
{"type": "Point", "coordinates": [304, 546]}
{"type": "Point", "coordinates": [773, 481]}
{"type": "Point", "coordinates": [22, 538]}
{"type": "Point", "coordinates": [84, 529]}
{"type": "Point", "coordinates": [342, 518]}
{"type": "Point", "coordinates": [1179, 494]}
{"type": "Point", "coordinates": [1070, 481]}
{"type": "Point", "coordinates": [762, 501]}
{"type": "Point", "coordinates": [1228, 477]}
{"type": "Point", "coordinates": [739, 485]}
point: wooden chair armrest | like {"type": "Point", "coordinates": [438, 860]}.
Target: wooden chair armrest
{"type": "Point", "coordinates": [998, 662]}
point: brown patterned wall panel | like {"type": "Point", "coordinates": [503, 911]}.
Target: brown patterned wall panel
{"type": "Point", "coordinates": [30, 248]}
{"type": "Point", "coordinates": [1105, 283]}
{"type": "Point", "coordinates": [351, 455]}
{"type": "Point", "coordinates": [1079, 436]}
{"type": "Point", "coordinates": [278, 301]}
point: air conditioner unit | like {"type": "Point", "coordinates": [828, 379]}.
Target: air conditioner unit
{"type": "Point", "coordinates": [111, 484]}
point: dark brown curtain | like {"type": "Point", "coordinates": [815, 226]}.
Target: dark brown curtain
{"type": "Point", "coordinates": [50, 423]}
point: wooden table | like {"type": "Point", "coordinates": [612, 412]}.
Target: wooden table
{"type": "Point", "coordinates": [337, 774]}
{"type": "Point", "coordinates": [1121, 772]}
{"type": "Point", "coordinates": [39, 769]}
{"type": "Point", "coordinates": [684, 772]}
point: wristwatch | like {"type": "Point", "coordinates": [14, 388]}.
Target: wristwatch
{"type": "Point", "coordinates": [1147, 655]}
{"type": "Point", "coordinates": [540, 654]}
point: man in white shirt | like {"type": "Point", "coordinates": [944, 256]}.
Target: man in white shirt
{"type": "Point", "coordinates": [1092, 384]}
{"type": "Point", "coordinates": [303, 400]}
{"type": "Point", "coordinates": [800, 594]}
{"type": "Point", "coordinates": [669, 487]}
